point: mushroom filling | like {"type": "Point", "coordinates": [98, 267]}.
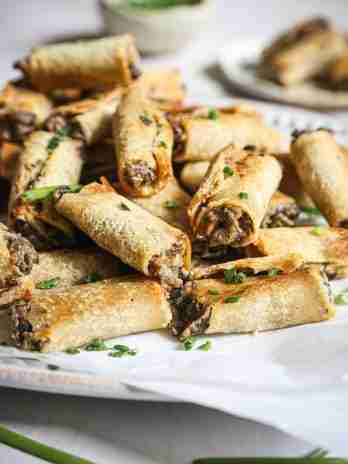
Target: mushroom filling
{"type": "Point", "coordinates": [282, 216]}
{"type": "Point", "coordinates": [14, 127]}
{"type": "Point", "coordinates": [139, 174]}
{"type": "Point", "coordinates": [179, 135]}
{"type": "Point", "coordinates": [22, 254]}
{"type": "Point", "coordinates": [168, 268]}
{"type": "Point", "coordinates": [224, 226]}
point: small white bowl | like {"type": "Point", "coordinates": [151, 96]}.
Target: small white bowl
{"type": "Point", "coordinates": [158, 30]}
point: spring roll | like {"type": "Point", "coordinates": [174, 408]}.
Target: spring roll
{"type": "Point", "coordinates": [64, 268]}
{"type": "Point", "coordinates": [102, 63]}
{"type": "Point", "coordinates": [231, 202]}
{"type": "Point", "coordinates": [55, 320]}
{"type": "Point", "coordinates": [164, 86]}
{"type": "Point", "coordinates": [269, 265]}
{"type": "Point", "coordinates": [211, 306]}
{"type": "Point", "coordinates": [282, 211]}
{"type": "Point", "coordinates": [143, 140]}
{"type": "Point", "coordinates": [200, 138]}
{"type": "Point", "coordinates": [9, 154]}
{"type": "Point", "coordinates": [170, 204]}
{"type": "Point", "coordinates": [88, 120]}
{"type": "Point", "coordinates": [192, 174]}
{"type": "Point", "coordinates": [47, 161]}
{"type": "Point", "coordinates": [21, 112]}
{"type": "Point", "coordinates": [316, 245]}
{"type": "Point", "coordinates": [302, 52]}
{"type": "Point", "coordinates": [322, 167]}
{"type": "Point", "coordinates": [141, 240]}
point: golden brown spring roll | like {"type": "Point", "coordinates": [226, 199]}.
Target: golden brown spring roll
{"type": "Point", "coordinates": [323, 169]}
{"type": "Point", "coordinates": [336, 76]}
{"type": "Point", "coordinates": [91, 64]}
{"type": "Point", "coordinates": [48, 161]}
{"type": "Point", "coordinates": [170, 204]}
{"type": "Point", "coordinates": [192, 174]}
{"type": "Point", "coordinates": [64, 268]}
{"type": "Point", "coordinates": [89, 120]}
{"type": "Point", "coordinates": [316, 245]}
{"type": "Point", "coordinates": [9, 154]}
{"type": "Point", "coordinates": [21, 112]}
{"type": "Point", "coordinates": [144, 141]}
{"type": "Point", "coordinates": [211, 306]}
{"type": "Point", "coordinates": [250, 266]}
{"type": "Point", "coordinates": [282, 211]}
{"type": "Point", "coordinates": [55, 320]}
{"type": "Point", "coordinates": [302, 52]}
{"type": "Point", "coordinates": [200, 138]}
{"type": "Point", "coordinates": [141, 240]}
{"type": "Point", "coordinates": [165, 86]}
{"type": "Point", "coordinates": [232, 200]}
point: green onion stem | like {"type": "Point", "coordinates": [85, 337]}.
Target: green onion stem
{"type": "Point", "coordinates": [317, 459]}
{"type": "Point", "coordinates": [35, 448]}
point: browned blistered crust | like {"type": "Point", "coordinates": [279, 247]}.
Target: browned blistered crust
{"type": "Point", "coordinates": [54, 320]}
{"type": "Point", "coordinates": [260, 304]}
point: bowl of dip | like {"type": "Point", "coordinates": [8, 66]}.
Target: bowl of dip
{"type": "Point", "coordinates": [158, 25]}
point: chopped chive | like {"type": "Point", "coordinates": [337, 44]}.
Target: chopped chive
{"type": "Point", "coordinates": [213, 291]}
{"type": "Point", "coordinates": [53, 367]}
{"type": "Point", "coordinates": [318, 231]}
{"type": "Point", "coordinates": [163, 144]}
{"type": "Point", "coordinates": [45, 193]}
{"type": "Point", "coordinates": [96, 345]}
{"type": "Point", "coordinates": [205, 346]}
{"type": "Point", "coordinates": [231, 299]}
{"type": "Point", "coordinates": [341, 299]}
{"type": "Point", "coordinates": [232, 276]}
{"type": "Point", "coordinates": [311, 211]}
{"type": "Point", "coordinates": [49, 283]}
{"type": "Point", "coordinates": [171, 204]}
{"type": "Point", "coordinates": [243, 195]}
{"type": "Point", "coordinates": [54, 142]}
{"type": "Point", "coordinates": [124, 207]}
{"type": "Point", "coordinates": [188, 343]}
{"type": "Point", "coordinates": [118, 351]}
{"type": "Point", "coordinates": [273, 272]}
{"type": "Point", "coordinates": [213, 114]}
{"type": "Point", "coordinates": [72, 351]}
{"type": "Point", "coordinates": [228, 171]}
{"type": "Point", "coordinates": [145, 119]}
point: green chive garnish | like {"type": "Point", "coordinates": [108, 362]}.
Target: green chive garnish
{"type": "Point", "coordinates": [243, 195]}
{"type": "Point", "coordinates": [163, 144]}
{"type": "Point", "coordinates": [273, 272]}
{"type": "Point", "coordinates": [232, 276]}
{"type": "Point", "coordinates": [96, 345]}
{"type": "Point", "coordinates": [45, 193]}
{"type": "Point", "coordinates": [228, 171]}
{"type": "Point", "coordinates": [124, 207]}
{"type": "Point", "coordinates": [72, 351]}
{"type": "Point", "coordinates": [311, 211]}
{"type": "Point", "coordinates": [171, 204]}
{"type": "Point", "coordinates": [205, 346]}
{"type": "Point", "coordinates": [145, 119]}
{"type": "Point", "coordinates": [54, 142]}
{"type": "Point", "coordinates": [213, 291]}
{"type": "Point", "coordinates": [318, 231]}
{"type": "Point", "coordinates": [47, 284]}
{"type": "Point", "coordinates": [341, 299]}
{"type": "Point", "coordinates": [188, 343]}
{"type": "Point", "coordinates": [213, 114]}
{"type": "Point", "coordinates": [231, 299]}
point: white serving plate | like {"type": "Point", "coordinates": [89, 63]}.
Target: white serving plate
{"type": "Point", "coordinates": [238, 61]}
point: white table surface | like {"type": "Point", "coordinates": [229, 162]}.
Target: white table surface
{"type": "Point", "coordinates": [110, 431]}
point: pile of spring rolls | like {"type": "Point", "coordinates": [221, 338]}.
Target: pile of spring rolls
{"type": "Point", "coordinates": [310, 51]}
{"type": "Point", "coordinates": [130, 211]}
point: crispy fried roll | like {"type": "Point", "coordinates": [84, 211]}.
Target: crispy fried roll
{"type": "Point", "coordinates": [316, 245]}
{"type": "Point", "coordinates": [9, 154]}
{"type": "Point", "coordinates": [64, 268]}
{"type": "Point", "coordinates": [54, 320]}
{"type": "Point", "coordinates": [48, 161]}
{"type": "Point", "coordinates": [170, 204]}
{"type": "Point", "coordinates": [302, 52]}
{"type": "Point", "coordinates": [241, 268]}
{"type": "Point", "coordinates": [211, 306]}
{"type": "Point", "coordinates": [165, 86]}
{"type": "Point", "coordinates": [231, 202]}
{"type": "Point", "coordinates": [322, 167]}
{"type": "Point", "coordinates": [282, 211]}
{"type": "Point", "coordinates": [91, 64]}
{"type": "Point", "coordinates": [192, 174]}
{"type": "Point", "coordinates": [89, 120]}
{"type": "Point", "coordinates": [143, 140]}
{"type": "Point", "coordinates": [200, 138]}
{"type": "Point", "coordinates": [128, 231]}
{"type": "Point", "coordinates": [21, 112]}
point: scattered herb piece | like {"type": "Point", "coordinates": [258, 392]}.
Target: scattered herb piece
{"type": "Point", "coordinates": [341, 299]}
{"type": "Point", "coordinates": [188, 343]}
{"type": "Point", "coordinates": [163, 144]}
{"type": "Point", "coordinates": [205, 346]}
{"type": "Point", "coordinates": [57, 138]}
{"type": "Point", "coordinates": [47, 284]}
{"type": "Point", "coordinates": [228, 171]}
{"type": "Point", "coordinates": [213, 114]}
{"type": "Point", "coordinates": [273, 272]}
{"type": "Point", "coordinates": [171, 204]}
{"type": "Point", "coordinates": [124, 207]}
{"type": "Point", "coordinates": [213, 291]}
{"type": "Point", "coordinates": [52, 367]}
{"type": "Point", "coordinates": [145, 119]}
{"type": "Point", "coordinates": [118, 351]}
{"type": "Point", "coordinates": [91, 278]}
{"type": "Point", "coordinates": [318, 231]}
{"type": "Point", "coordinates": [231, 299]}
{"type": "Point", "coordinates": [232, 276]}
{"type": "Point", "coordinates": [243, 195]}
{"type": "Point", "coordinates": [45, 193]}
{"type": "Point", "coordinates": [96, 345]}
{"type": "Point", "coordinates": [72, 351]}
{"type": "Point", "coordinates": [311, 211]}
